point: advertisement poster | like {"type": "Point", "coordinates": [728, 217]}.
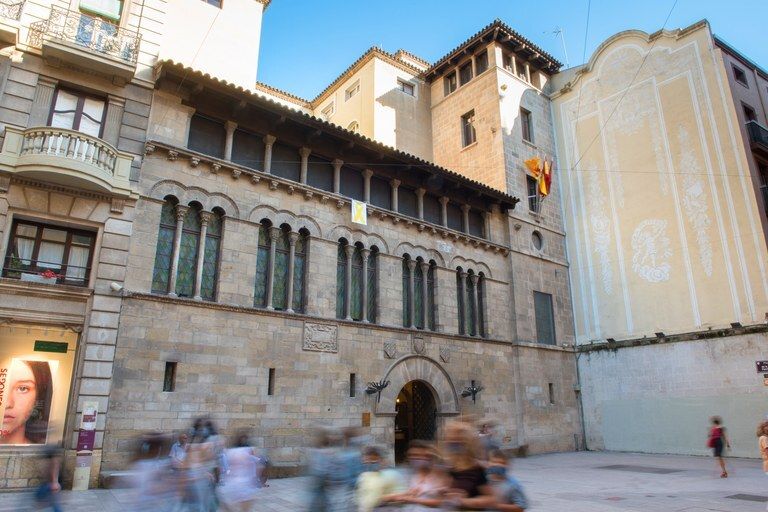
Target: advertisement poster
{"type": "Point", "coordinates": [35, 379]}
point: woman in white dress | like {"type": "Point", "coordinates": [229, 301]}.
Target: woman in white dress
{"type": "Point", "coordinates": [244, 477]}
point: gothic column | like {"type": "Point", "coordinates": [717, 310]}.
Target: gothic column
{"type": "Point", "coordinates": [230, 127]}
{"type": "Point", "coordinates": [425, 293]}
{"type": "Point", "coordinates": [365, 254]}
{"type": "Point", "coordinates": [463, 302]}
{"type": "Point", "coordinates": [337, 175]}
{"type": "Point", "coordinates": [349, 250]}
{"type": "Point", "coordinates": [274, 234]}
{"type": "Point", "coordinates": [367, 173]}
{"type": "Point", "coordinates": [395, 184]}
{"type": "Point", "coordinates": [475, 316]}
{"type": "Point", "coordinates": [181, 211]}
{"type": "Point", "coordinates": [465, 218]}
{"type": "Point", "coordinates": [412, 291]}
{"type": "Point", "coordinates": [444, 211]}
{"type": "Point", "coordinates": [304, 154]}
{"type": "Point", "coordinates": [292, 238]}
{"type": "Point", "coordinates": [269, 141]}
{"type": "Point", "coordinates": [420, 201]}
{"type": "Point", "coordinates": [205, 218]}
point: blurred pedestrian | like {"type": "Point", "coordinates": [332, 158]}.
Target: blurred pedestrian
{"type": "Point", "coordinates": [762, 440]}
{"type": "Point", "coordinates": [488, 443]}
{"type": "Point", "coordinates": [375, 481]}
{"type": "Point", "coordinates": [47, 494]}
{"type": "Point", "coordinates": [179, 451]}
{"type": "Point", "coordinates": [241, 482]}
{"type": "Point", "coordinates": [507, 490]}
{"type": "Point", "coordinates": [428, 481]}
{"type": "Point", "coordinates": [718, 442]}
{"type": "Point", "coordinates": [153, 487]}
{"type": "Point", "coordinates": [469, 487]}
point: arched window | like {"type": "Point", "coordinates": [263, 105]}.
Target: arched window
{"type": "Point", "coordinates": [187, 272]}
{"type": "Point", "coordinates": [356, 282]}
{"type": "Point", "coordinates": [164, 253]}
{"type": "Point", "coordinates": [280, 268]}
{"type": "Point", "coordinates": [418, 306]}
{"type": "Point", "coordinates": [470, 289]}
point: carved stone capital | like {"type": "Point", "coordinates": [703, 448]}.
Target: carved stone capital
{"type": "Point", "coordinates": [349, 250]}
{"type": "Point", "coordinates": [474, 278]}
{"type": "Point", "coordinates": [411, 264]}
{"type": "Point", "coordinates": [293, 237]}
{"type": "Point", "coordinates": [205, 218]}
{"type": "Point", "coordinates": [305, 152]}
{"type": "Point", "coordinates": [274, 233]}
{"type": "Point", "coordinates": [269, 140]}
{"type": "Point", "coordinates": [443, 200]}
{"type": "Point", "coordinates": [367, 173]}
{"type": "Point", "coordinates": [395, 183]}
{"type": "Point", "coordinates": [181, 211]}
{"type": "Point", "coordinates": [465, 208]}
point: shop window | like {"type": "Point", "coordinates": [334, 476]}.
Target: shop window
{"type": "Point", "coordinates": [416, 300]}
{"type": "Point", "coordinates": [77, 111]}
{"type": "Point", "coordinates": [286, 293]}
{"type": "Point", "coordinates": [545, 318]}
{"type": "Point", "coordinates": [449, 83]}
{"type": "Point", "coordinates": [206, 136]}
{"type": "Point", "coordinates": [49, 254]}
{"type": "Point", "coordinates": [468, 133]}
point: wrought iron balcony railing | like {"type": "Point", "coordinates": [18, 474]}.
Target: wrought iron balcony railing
{"type": "Point", "coordinates": [10, 10]}
{"type": "Point", "coordinates": [757, 134]}
{"type": "Point", "coordinates": [89, 32]}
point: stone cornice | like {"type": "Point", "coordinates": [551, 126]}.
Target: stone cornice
{"type": "Point", "coordinates": [310, 193]}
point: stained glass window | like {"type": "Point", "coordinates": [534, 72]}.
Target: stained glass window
{"type": "Point", "coordinates": [418, 292]}
{"type": "Point", "coordinates": [460, 296]}
{"type": "Point", "coordinates": [211, 257]}
{"type": "Point", "coordinates": [262, 267]}
{"type": "Point", "coordinates": [431, 297]}
{"type": "Point", "coordinates": [164, 251]}
{"type": "Point", "coordinates": [406, 293]}
{"type": "Point", "coordinates": [481, 305]}
{"type": "Point", "coordinates": [356, 308]}
{"type": "Point", "coordinates": [372, 285]}
{"type": "Point", "coordinates": [341, 280]}
{"type": "Point", "coordinates": [190, 240]}
{"type": "Point", "coordinates": [470, 309]}
{"type": "Point", "coordinates": [299, 265]}
{"type": "Point", "coordinates": [280, 282]}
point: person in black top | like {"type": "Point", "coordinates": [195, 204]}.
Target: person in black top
{"type": "Point", "coordinates": [469, 485]}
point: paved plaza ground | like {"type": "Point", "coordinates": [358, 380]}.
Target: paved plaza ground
{"type": "Point", "coordinates": [564, 482]}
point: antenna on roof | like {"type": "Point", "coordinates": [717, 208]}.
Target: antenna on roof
{"type": "Point", "coordinates": [561, 32]}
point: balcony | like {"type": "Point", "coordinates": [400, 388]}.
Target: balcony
{"type": "Point", "coordinates": [66, 157]}
{"type": "Point", "coordinates": [88, 43]}
{"type": "Point", "coordinates": [10, 12]}
{"type": "Point", "coordinates": [758, 138]}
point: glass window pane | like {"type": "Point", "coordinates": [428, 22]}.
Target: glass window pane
{"type": "Point", "coordinates": [262, 266]}
{"type": "Point", "coordinates": [65, 101]}
{"type": "Point", "coordinates": [356, 307]}
{"type": "Point", "coordinates": [81, 239]}
{"type": "Point", "coordinates": [298, 278]}
{"type": "Point", "coordinates": [89, 127]}
{"type": "Point", "coordinates": [54, 235]}
{"type": "Point", "coordinates": [26, 230]}
{"type": "Point", "coordinates": [341, 265]}
{"type": "Point", "coordinates": [372, 286]}
{"type": "Point", "coordinates": [419, 296]}
{"type": "Point", "coordinates": [210, 267]}
{"type": "Point", "coordinates": [77, 263]}
{"type": "Point", "coordinates": [280, 284]}
{"type": "Point", "coordinates": [94, 109]}
{"type": "Point", "coordinates": [406, 294]}
{"type": "Point", "coordinates": [185, 280]}
{"type": "Point", "coordinates": [51, 255]}
{"type": "Point", "coordinates": [163, 254]}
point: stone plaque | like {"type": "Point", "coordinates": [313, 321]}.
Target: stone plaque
{"type": "Point", "coordinates": [390, 349]}
{"type": "Point", "coordinates": [418, 344]}
{"type": "Point", "coordinates": [366, 419]}
{"type": "Point", "coordinates": [445, 354]}
{"type": "Point", "coordinates": [321, 337]}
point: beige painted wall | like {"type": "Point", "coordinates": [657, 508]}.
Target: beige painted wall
{"type": "Point", "coordinates": [664, 233]}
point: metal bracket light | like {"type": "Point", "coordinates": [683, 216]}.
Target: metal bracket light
{"type": "Point", "coordinates": [472, 390]}
{"type": "Point", "coordinates": [376, 387]}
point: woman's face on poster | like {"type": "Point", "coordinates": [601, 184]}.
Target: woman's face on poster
{"type": "Point", "coordinates": [20, 403]}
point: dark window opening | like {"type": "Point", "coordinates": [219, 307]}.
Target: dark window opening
{"type": "Point", "coordinates": [526, 122]}
{"type": "Point", "coordinates": [248, 150]}
{"type": "Point", "coordinates": [454, 217]}
{"type": "Point", "coordinates": [320, 173]}
{"type": "Point", "coordinates": [533, 194]}
{"type": "Point", "coordinates": [465, 73]}
{"type": "Point", "coordinates": [285, 162]}
{"type": "Point", "coordinates": [449, 83]}
{"type": "Point", "coordinates": [545, 318]}
{"type": "Point", "coordinates": [740, 76]}
{"type": "Point", "coordinates": [433, 210]}
{"type": "Point", "coordinates": [352, 385]}
{"type": "Point", "coordinates": [476, 223]}
{"type": "Point", "coordinates": [381, 193]}
{"type": "Point", "coordinates": [206, 136]}
{"type": "Point", "coordinates": [407, 201]}
{"type": "Point", "coordinates": [352, 183]}
{"type": "Point", "coordinates": [271, 382]}
{"type": "Point", "coordinates": [551, 393]}
{"type": "Point", "coordinates": [749, 113]}
{"type": "Point", "coordinates": [468, 134]}
{"type": "Point", "coordinates": [481, 62]}
{"type": "Point", "coordinates": [169, 380]}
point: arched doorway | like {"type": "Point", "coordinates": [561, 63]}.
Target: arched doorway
{"type": "Point", "coordinates": [416, 416]}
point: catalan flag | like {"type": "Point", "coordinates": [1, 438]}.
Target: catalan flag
{"type": "Point", "coordinates": [542, 172]}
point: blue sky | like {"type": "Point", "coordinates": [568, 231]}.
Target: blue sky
{"type": "Point", "coordinates": [306, 44]}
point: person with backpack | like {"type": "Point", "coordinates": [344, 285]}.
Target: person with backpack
{"type": "Point", "coordinates": [718, 442]}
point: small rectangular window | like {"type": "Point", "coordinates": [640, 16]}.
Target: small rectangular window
{"type": "Point", "coordinates": [329, 110]}
{"type": "Point", "coordinates": [352, 384]}
{"type": "Point", "coordinates": [481, 62]}
{"type": "Point", "coordinates": [533, 194]}
{"type": "Point", "coordinates": [526, 122]}
{"type": "Point", "coordinates": [449, 83]}
{"type": "Point", "coordinates": [271, 382]}
{"type": "Point", "coordinates": [551, 393]}
{"type": "Point", "coordinates": [749, 113]}
{"type": "Point", "coordinates": [465, 73]}
{"type": "Point", "coordinates": [506, 62]}
{"type": "Point", "coordinates": [169, 381]}
{"type": "Point", "coordinates": [521, 70]}
{"type": "Point", "coordinates": [740, 76]}
{"type": "Point", "coordinates": [352, 90]}
{"type": "Point", "coordinates": [468, 134]}
{"type": "Point", "coordinates": [405, 87]}
{"type": "Point", "coordinates": [545, 318]}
